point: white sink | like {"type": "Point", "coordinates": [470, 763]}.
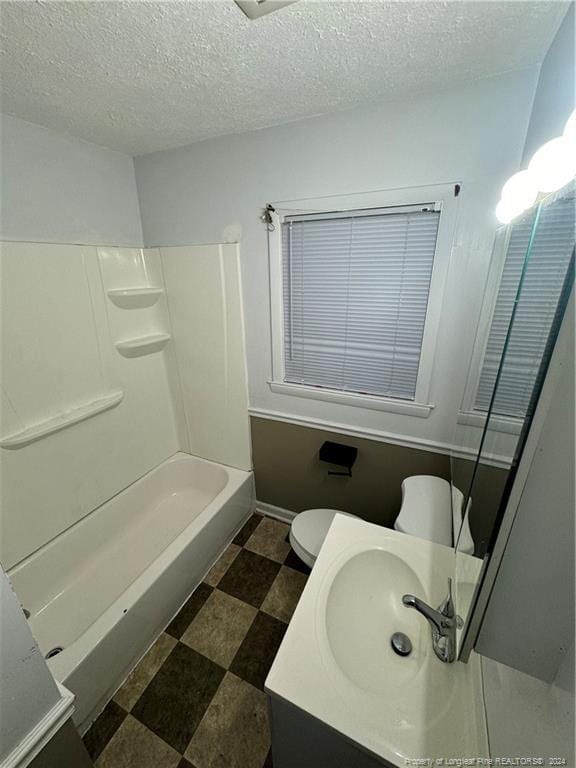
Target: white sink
{"type": "Point", "coordinates": [336, 662]}
{"type": "Point", "coordinates": [363, 610]}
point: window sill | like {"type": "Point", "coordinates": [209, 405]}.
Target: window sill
{"type": "Point", "coordinates": [348, 398]}
{"type": "Point", "coordinates": [507, 424]}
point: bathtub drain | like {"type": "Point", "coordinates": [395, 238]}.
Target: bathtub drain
{"type": "Point", "coordinates": [54, 652]}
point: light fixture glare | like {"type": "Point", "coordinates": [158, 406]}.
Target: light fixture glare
{"type": "Point", "coordinates": [553, 165]}
{"type": "Point", "coordinates": [520, 190]}
{"type": "Point", "coordinates": [551, 168]}
{"type": "Point", "coordinates": [505, 211]}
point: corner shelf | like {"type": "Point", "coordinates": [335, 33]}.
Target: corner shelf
{"type": "Point", "coordinates": [61, 421]}
{"type": "Point", "coordinates": [135, 298]}
{"type": "Point", "coordinates": [143, 345]}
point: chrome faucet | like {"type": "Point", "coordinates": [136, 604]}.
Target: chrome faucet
{"type": "Point", "coordinates": [442, 622]}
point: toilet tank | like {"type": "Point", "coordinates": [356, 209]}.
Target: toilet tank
{"type": "Point", "coordinates": [426, 509]}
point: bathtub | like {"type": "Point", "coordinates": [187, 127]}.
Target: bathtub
{"type": "Point", "coordinates": [105, 589]}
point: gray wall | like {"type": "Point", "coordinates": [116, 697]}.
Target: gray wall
{"type": "Point", "coordinates": [554, 98]}
{"type": "Point", "coordinates": [289, 473]}
{"type": "Point", "coordinates": [58, 189]}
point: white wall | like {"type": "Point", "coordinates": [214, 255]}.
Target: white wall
{"type": "Point", "coordinates": [27, 689]}
{"type": "Point", "coordinates": [59, 329]}
{"type": "Point", "coordinates": [214, 191]}
{"type": "Point", "coordinates": [58, 189]}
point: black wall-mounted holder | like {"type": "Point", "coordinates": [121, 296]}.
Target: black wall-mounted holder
{"type": "Point", "coordinates": [340, 456]}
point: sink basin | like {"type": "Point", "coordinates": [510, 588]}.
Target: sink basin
{"type": "Point", "coordinates": [336, 663]}
{"type": "Point", "coordinates": [364, 609]}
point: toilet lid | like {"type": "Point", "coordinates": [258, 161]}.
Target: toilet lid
{"type": "Point", "coordinates": [309, 529]}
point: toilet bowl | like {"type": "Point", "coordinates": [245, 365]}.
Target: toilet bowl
{"type": "Point", "coordinates": [426, 512]}
{"type": "Point", "coordinates": [308, 531]}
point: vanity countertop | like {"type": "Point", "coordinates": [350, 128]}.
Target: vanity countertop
{"type": "Point", "coordinates": [336, 662]}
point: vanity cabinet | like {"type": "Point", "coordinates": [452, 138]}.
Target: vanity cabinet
{"type": "Point", "coordinates": [298, 739]}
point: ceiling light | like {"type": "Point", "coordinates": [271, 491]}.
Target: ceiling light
{"type": "Point", "coordinates": [256, 8]}
{"type": "Point", "coordinates": [554, 164]}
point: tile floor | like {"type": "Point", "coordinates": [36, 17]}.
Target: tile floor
{"type": "Point", "coordinates": [196, 699]}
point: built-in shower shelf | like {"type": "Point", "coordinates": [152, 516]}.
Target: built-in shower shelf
{"type": "Point", "coordinates": [143, 345]}
{"type": "Point", "coordinates": [61, 421]}
{"type": "Point", "coordinates": [135, 298]}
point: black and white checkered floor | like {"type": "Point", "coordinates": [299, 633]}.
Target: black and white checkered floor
{"type": "Point", "coordinates": [196, 699]}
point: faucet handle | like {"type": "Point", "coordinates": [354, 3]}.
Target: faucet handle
{"type": "Point", "coordinates": [446, 607]}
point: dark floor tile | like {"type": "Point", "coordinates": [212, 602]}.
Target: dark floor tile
{"type": "Point", "coordinates": [185, 763]}
{"type": "Point", "coordinates": [256, 654]}
{"type": "Point", "coordinates": [247, 530]}
{"type": "Point", "coordinates": [183, 618]}
{"type": "Point", "coordinates": [175, 701]}
{"type": "Point", "coordinates": [268, 762]}
{"type": "Point", "coordinates": [249, 577]}
{"type": "Point", "coordinates": [293, 561]}
{"type": "Point", "coordinates": [103, 728]}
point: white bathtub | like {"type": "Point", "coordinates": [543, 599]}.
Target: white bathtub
{"type": "Point", "coordinates": [106, 588]}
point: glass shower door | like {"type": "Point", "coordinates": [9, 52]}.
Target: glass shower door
{"type": "Point", "coordinates": [535, 286]}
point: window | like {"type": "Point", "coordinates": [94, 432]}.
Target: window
{"type": "Point", "coordinates": [355, 297]}
{"type": "Point", "coordinates": [542, 285]}
{"type": "Point", "coordinates": [352, 291]}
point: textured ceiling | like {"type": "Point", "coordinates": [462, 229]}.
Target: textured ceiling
{"type": "Point", "coordinates": [141, 76]}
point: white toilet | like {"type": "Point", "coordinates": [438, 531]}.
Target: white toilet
{"type": "Point", "coordinates": [426, 512]}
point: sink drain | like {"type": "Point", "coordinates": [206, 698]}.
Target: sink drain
{"type": "Point", "coordinates": [54, 652]}
{"type": "Point", "coordinates": [401, 644]}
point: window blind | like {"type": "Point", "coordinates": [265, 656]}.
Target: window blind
{"type": "Point", "coordinates": [355, 293]}
{"type": "Point", "coordinates": [544, 276]}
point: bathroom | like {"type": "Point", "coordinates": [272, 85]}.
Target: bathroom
{"type": "Point", "coordinates": [287, 366]}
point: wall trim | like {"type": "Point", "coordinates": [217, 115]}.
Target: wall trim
{"type": "Point", "coordinates": [406, 441]}
{"type": "Point", "coordinates": [33, 743]}
{"type": "Point", "coordinates": [279, 513]}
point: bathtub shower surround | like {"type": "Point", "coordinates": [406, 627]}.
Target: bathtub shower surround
{"type": "Point", "coordinates": [58, 356]}
{"type": "Point", "coordinates": [212, 368]}
{"type": "Point", "coordinates": [117, 364]}
{"type": "Point", "coordinates": [139, 322]}
{"type": "Point", "coordinates": [101, 364]}
{"type": "Point", "coordinates": [199, 692]}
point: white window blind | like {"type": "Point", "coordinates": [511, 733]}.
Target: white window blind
{"type": "Point", "coordinates": [355, 294]}
{"type": "Point", "coordinates": [542, 285]}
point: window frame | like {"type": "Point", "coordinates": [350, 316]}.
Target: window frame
{"type": "Point", "coordinates": [444, 198]}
